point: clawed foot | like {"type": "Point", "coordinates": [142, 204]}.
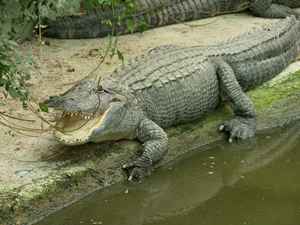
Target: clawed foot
{"type": "Point", "coordinates": [239, 128]}
{"type": "Point", "coordinates": [135, 172]}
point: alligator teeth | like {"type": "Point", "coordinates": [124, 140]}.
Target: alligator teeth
{"type": "Point", "coordinates": [85, 116]}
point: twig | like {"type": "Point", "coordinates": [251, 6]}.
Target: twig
{"type": "Point", "coordinates": [16, 118]}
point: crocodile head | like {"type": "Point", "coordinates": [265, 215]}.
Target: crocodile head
{"type": "Point", "coordinates": [87, 112]}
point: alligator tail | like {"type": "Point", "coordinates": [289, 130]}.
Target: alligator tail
{"type": "Point", "coordinates": [151, 13]}
{"type": "Point", "coordinates": [75, 27]}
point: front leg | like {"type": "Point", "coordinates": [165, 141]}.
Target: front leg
{"type": "Point", "coordinates": [243, 125]}
{"type": "Point", "coordinates": [155, 142]}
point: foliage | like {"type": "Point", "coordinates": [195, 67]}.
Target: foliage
{"type": "Point", "coordinates": [12, 79]}
{"type": "Point", "coordinates": [54, 8]}
{"type": "Point", "coordinates": [17, 20]}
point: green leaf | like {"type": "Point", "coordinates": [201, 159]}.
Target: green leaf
{"type": "Point", "coordinates": [130, 25]}
{"type": "Point", "coordinates": [120, 55]}
{"type": "Point", "coordinates": [43, 107]}
{"type": "Point", "coordinates": [13, 92]}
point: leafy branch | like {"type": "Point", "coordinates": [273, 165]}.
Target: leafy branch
{"type": "Point", "coordinates": [12, 79]}
{"type": "Point", "coordinates": [122, 16]}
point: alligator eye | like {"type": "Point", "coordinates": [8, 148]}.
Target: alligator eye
{"type": "Point", "coordinates": [115, 99]}
{"type": "Point", "coordinates": [99, 88]}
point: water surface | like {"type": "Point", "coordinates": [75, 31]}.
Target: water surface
{"type": "Point", "coordinates": [254, 182]}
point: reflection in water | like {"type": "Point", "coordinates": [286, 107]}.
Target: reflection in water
{"type": "Point", "coordinates": [247, 183]}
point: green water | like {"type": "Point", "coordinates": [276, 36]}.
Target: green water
{"type": "Point", "coordinates": [250, 183]}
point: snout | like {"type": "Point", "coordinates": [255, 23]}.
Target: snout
{"type": "Point", "coordinates": [54, 102]}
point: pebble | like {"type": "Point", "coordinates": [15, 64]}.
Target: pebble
{"type": "Point", "coordinates": [22, 173]}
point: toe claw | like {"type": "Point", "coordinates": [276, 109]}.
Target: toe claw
{"type": "Point", "coordinates": [136, 170]}
{"type": "Point", "coordinates": [136, 175]}
{"type": "Point", "coordinates": [128, 165]}
{"type": "Point", "coordinates": [239, 128]}
{"type": "Point", "coordinates": [221, 127]}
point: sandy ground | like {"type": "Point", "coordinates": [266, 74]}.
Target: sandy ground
{"type": "Point", "coordinates": [24, 159]}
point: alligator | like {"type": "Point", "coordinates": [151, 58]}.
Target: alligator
{"type": "Point", "coordinates": [175, 85]}
{"type": "Point", "coordinates": [157, 13]}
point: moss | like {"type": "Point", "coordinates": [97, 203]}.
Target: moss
{"type": "Point", "coordinates": [266, 95]}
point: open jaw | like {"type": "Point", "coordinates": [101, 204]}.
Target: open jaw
{"type": "Point", "coordinates": [76, 128]}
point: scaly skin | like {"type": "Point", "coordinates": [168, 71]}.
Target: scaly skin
{"type": "Point", "coordinates": [174, 85]}
{"type": "Point", "coordinates": [157, 13]}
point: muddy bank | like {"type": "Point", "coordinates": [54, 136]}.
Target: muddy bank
{"type": "Point", "coordinates": [39, 176]}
